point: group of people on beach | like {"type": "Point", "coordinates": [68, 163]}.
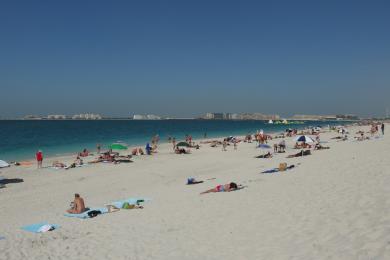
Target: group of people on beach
{"type": "Point", "coordinates": [260, 137]}
{"type": "Point", "coordinates": [78, 204]}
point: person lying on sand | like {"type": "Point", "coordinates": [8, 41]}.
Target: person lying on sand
{"type": "Point", "coordinates": [122, 159]}
{"type": "Point", "coordinates": [106, 157]}
{"type": "Point", "coordinates": [301, 153]}
{"type": "Point", "coordinates": [78, 161]}
{"type": "Point", "coordinates": [58, 164]}
{"type": "Point", "coordinates": [137, 151]}
{"type": "Point", "coordinates": [181, 151]}
{"type": "Point", "coordinates": [223, 188]}
{"type": "Point", "coordinates": [127, 205]}
{"type": "Point", "coordinates": [267, 155]}
{"type": "Point", "coordinates": [298, 146]}
{"type": "Point", "coordinates": [208, 141]}
{"type": "Point", "coordinates": [77, 206]}
{"type": "Point", "coordinates": [320, 147]}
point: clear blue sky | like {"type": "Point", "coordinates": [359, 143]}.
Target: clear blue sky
{"type": "Point", "coordinates": [185, 58]}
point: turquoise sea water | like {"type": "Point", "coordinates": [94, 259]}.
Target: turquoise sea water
{"type": "Point", "coordinates": [21, 139]}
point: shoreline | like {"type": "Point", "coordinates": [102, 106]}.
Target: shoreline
{"type": "Point", "coordinates": [72, 155]}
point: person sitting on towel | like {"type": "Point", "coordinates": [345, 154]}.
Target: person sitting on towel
{"type": "Point", "coordinates": [77, 206]}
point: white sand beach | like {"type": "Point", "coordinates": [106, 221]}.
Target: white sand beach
{"type": "Point", "coordinates": [334, 204]}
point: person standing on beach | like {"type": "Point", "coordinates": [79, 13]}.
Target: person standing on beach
{"type": "Point", "coordinates": [39, 157]}
{"type": "Point", "coordinates": [98, 148]}
{"type": "Point", "coordinates": [383, 128]}
{"type": "Point", "coordinates": [224, 144]}
{"type": "Point", "coordinates": [235, 144]}
{"type": "Point", "coordinates": [174, 143]}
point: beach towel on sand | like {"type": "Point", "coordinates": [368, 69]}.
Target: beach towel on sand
{"type": "Point", "coordinates": [131, 201]}
{"type": "Point", "coordinates": [39, 227]}
{"type": "Point", "coordinates": [278, 170]}
{"type": "Point", "coordinates": [85, 213]}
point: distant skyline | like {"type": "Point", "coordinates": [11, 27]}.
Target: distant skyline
{"type": "Point", "coordinates": [187, 58]}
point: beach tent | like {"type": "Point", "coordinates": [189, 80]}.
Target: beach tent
{"type": "Point", "coordinates": [305, 139]}
{"type": "Point", "coordinates": [183, 144]}
{"type": "Point", "coordinates": [3, 164]}
{"type": "Point", "coordinates": [118, 146]}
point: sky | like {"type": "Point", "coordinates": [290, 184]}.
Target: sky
{"type": "Point", "coordinates": [185, 58]}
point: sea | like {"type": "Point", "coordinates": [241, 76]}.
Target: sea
{"type": "Point", "coordinates": [20, 139]}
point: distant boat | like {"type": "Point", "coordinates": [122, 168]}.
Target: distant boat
{"type": "Point", "coordinates": [270, 121]}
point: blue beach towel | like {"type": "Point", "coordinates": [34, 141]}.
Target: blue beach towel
{"type": "Point", "coordinates": [271, 171]}
{"type": "Point", "coordinates": [34, 228]}
{"type": "Point", "coordinates": [2, 238]}
{"type": "Point", "coordinates": [274, 170]}
{"type": "Point", "coordinates": [85, 213]}
{"type": "Point", "coordinates": [131, 201]}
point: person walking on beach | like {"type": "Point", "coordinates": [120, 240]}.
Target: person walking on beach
{"type": "Point", "coordinates": [235, 144]}
{"type": "Point", "coordinates": [39, 157]}
{"type": "Point", "coordinates": [383, 128]}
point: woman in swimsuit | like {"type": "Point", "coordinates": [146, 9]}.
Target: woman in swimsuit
{"type": "Point", "coordinates": [223, 188]}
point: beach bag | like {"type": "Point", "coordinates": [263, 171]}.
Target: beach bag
{"type": "Point", "coordinates": [94, 213]}
{"type": "Point", "coordinates": [127, 205]}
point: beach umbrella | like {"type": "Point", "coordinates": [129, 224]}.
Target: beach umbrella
{"type": "Point", "coordinates": [118, 146]}
{"type": "Point", "coordinates": [3, 164]}
{"type": "Point", "coordinates": [183, 144]}
{"type": "Point", "coordinates": [305, 139]}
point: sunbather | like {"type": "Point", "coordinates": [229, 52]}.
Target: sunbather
{"type": "Point", "coordinates": [127, 205]}
{"type": "Point", "coordinates": [223, 188]}
{"type": "Point", "coordinates": [320, 147]}
{"type": "Point", "coordinates": [78, 161]}
{"type": "Point", "coordinates": [122, 159]}
{"type": "Point", "coordinates": [267, 155]}
{"type": "Point", "coordinates": [58, 164]}
{"type": "Point", "coordinates": [301, 153]}
{"type": "Point", "coordinates": [77, 206]}
{"type": "Point", "coordinates": [298, 146]}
